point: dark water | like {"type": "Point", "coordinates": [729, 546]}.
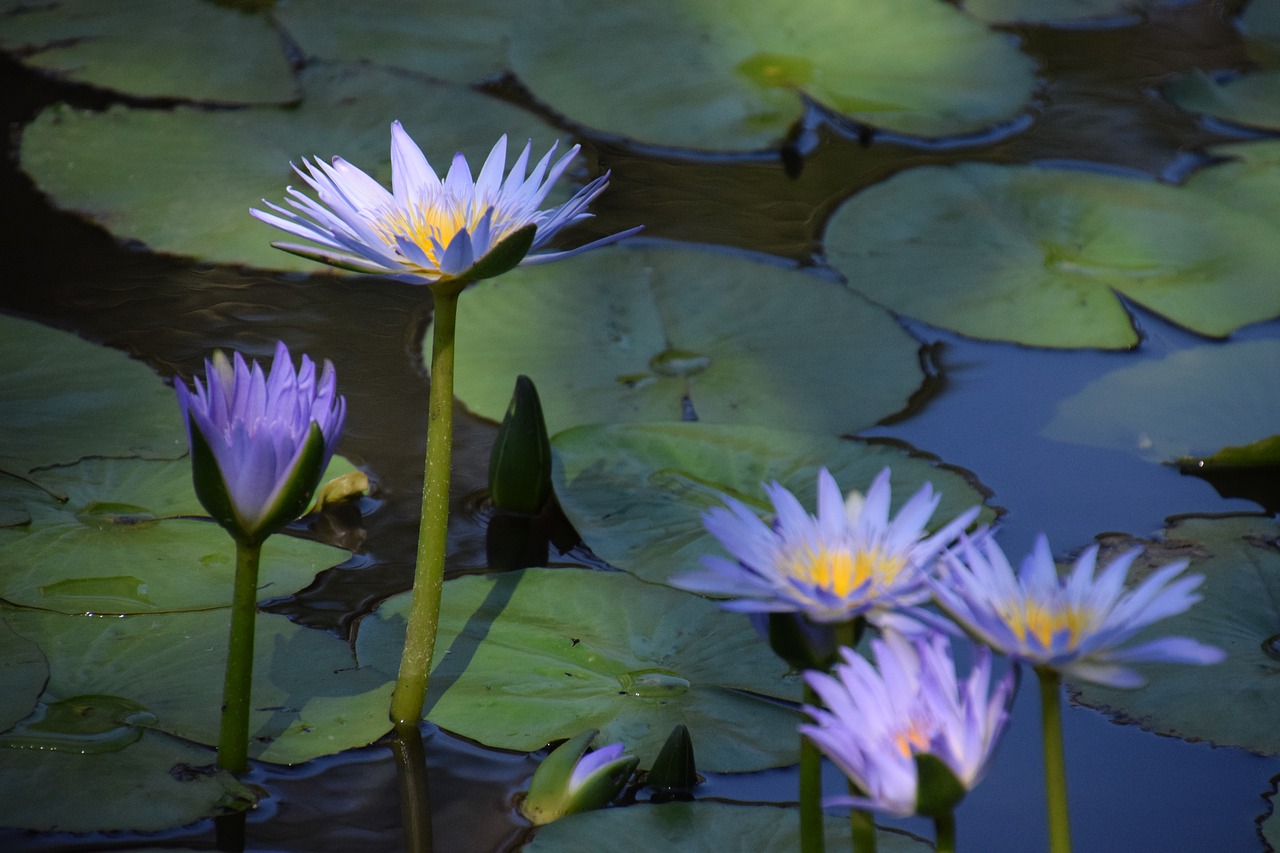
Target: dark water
{"type": "Point", "coordinates": [1130, 791]}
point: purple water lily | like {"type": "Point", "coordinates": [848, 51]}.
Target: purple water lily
{"type": "Point", "coordinates": [259, 443]}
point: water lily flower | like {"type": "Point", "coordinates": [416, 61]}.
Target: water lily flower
{"type": "Point", "coordinates": [907, 732]}
{"type": "Point", "coordinates": [1075, 624]}
{"type": "Point", "coordinates": [427, 230]}
{"type": "Point", "coordinates": [572, 780]}
{"type": "Point", "coordinates": [259, 443]}
{"type": "Point", "coordinates": [849, 560]}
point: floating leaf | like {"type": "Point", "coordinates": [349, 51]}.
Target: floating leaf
{"type": "Point", "coordinates": [720, 74]}
{"type": "Point", "coordinates": [186, 49]}
{"type": "Point", "coordinates": [460, 42]}
{"type": "Point", "coordinates": [664, 334]}
{"type": "Point", "coordinates": [308, 698]}
{"type": "Point", "coordinates": [67, 399]}
{"type": "Point", "coordinates": [1233, 703]}
{"type": "Point", "coordinates": [121, 167]}
{"type": "Point", "coordinates": [537, 655]}
{"type": "Point", "coordinates": [23, 671]}
{"type": "Point", "coordinates": [156, 783]}
{"type": "Point", "coordinates": [636, 493]}
{"type": "Point", "coordinates": [1038, 255]}
{"type": "Point", "coordinates": [1251, 471]}
{"type": "Point", "coordinates": [677, 826]}
{"type": "Point", "coordinates": [113, 546]}
{"type": "Point", "coordinates": [1252, 98]}
{"type": "Point", "coordinates": [1189, 403]}
{"type": "Point", "coordinates": [1058, 11]}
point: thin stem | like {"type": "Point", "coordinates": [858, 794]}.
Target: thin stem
{"type": "Point", "coordinates": [862, 830]}
{"type": "Point", "coordinates": [811, 834]}
{"type": "Point", "coordinates": [428, 580]}
{"type": "Point", "coordinates": [415, 798]}
{"type": "Point", "coordinates": [945, 829]}
{"type": "Point", "coordinates": [233, 740]}
{"type": "Point", "coordinates": [1055, 763]}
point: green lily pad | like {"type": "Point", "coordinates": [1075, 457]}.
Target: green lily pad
{"type": "Point", "coordinates": [113, 546]}
{"type": "Point", "coordinates": [1056, 11]}
{"type": "Point", "coordinates": [636, 493]}
{"type": "Point", "coordinates": [23, 672]}
{"type": "Point", "coordinates": [309, 698]}
{"type": "Point", "coordinates": [673, 826]}
{"type": "Point", "coordinates": [734, 75]}
{"type": "Point", "coordinates": [460, 42]}
{"type": "Point", "coordinates": [1233, 703]}
{"type": "Point", "coordinates": [67, 399]}
{"type": "Point", "coordinates": [187, 49]}
{"type": "Point", "coordinates": [1190, 403]}
{"type": "Point", "coordinates": [532, 656]}
{"type": "Point", "coordinates": [1039, 256]}
{"type": "Point", "coordinates": [121, 169]}
{"type": "Point", "coordinates": [1252, 98]}
{"type": "Point", "coordinates": [1250, 471]}
{"type": "Point", "coordinates": [664, 334]}
{"type": "Point", "coordinates": [154, 784]}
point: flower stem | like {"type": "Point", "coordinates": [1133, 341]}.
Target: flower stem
{"type": "Point", "coordinates": [945, 830]}
{"type": "Point", "coordinates": [862, 831]}
{"type": "Point", "coordinates": [1055, 764]}
{"type": "Point", "coordinates": [233, 740]}
{"type": "Point", "coordinates": [415, 798]}
{"type": "Point", "coordinates": [811, 830]}
{"type": "Point", "coordinates": [428, 579]}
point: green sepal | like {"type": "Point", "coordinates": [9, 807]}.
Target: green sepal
{"type": "Point", "coordinates": [549, 795]}
{"type": "Point", "coordinates": [293, 499]}
{"type": "Point", "coordinates": [674, 769]}
{"type": "Point", "coordinates": [938, 790]}
{"type": "Point", "coordinates": [211, 487]}
{"type": "Point", "coordinates": [801, 643]}
{"type": "Point", "coordinates": [505, 256]}
{"type": "Point", "coordinates": [520, 463]}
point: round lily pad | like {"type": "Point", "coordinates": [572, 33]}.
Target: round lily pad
{"type": "Point", "coordinates": [665, 334]}
{"type": "Point", "coordinates": [532, 656]}
{"type": "Point", "coordinates": [636, 493]}
{"type": "Point", "coordinates": [67, 399]}
{"type": "Point", "coordinates": [121, 168]}
{"type": "Point", "coordinates": [23, 672]}
{"type": "Point", "coordinates": [154, 784]}
{"type": "Point", "coordinates": [309, 699]}
{"type": "Point", "coordinates": [1190, 403]}
{"type": "Point", "coordinates": [734, 75]}
{"type": "Point", "coordinates": [1232, 703]}
{"type": "Point", "coordinates": [1039, 256]}
{"type": "Point", "coordinates": [1252, 98]}
{"type": "Point", "coordinates": [672, 826]}
{"type": "Point", "coordinates": [188, 49]}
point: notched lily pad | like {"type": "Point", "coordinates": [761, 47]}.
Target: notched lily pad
{"type": "Point", "coordinates": [671, 826]}
{"type": "Point", "coordinates": [1232, 703]}
{"type": "Point", "coordinates": [532, 656]}
{"type": "Point", "coordinates": [1038, 256]}
{"type": "Point", "coordinates": [636, 493]}
{"type": "Point", "coordinates": [186, 49]}
{"type": "Point", "coordinates": [120, 167]}
{"type": "Point", "coordinates": [734, 75]}
{"type": "Point", "coordinates": [1251, 471]}
{"type": "Point", "coordinates": [665, 334]}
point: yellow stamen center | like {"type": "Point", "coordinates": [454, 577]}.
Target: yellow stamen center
{"type": "Point", "coordinates": [1043, 622]}
{"type": "Point", "coordinates": [840, 571]}
{"type": "Point", "coordinates": [441, 219]}
{"type": "Point", "coordinates": [912, 739]}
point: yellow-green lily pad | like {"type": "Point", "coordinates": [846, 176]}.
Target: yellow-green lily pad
{"type": "Point", "coordinates": [1251, 98]}
{"type": "Point", "coordinates": [636, 493]}
{"type": "Point", "coordinates": [537, 655]}
{"type": "Point", "coordinates": [665, 334]}
{"type": "Point", "coordinates": [725, 74]}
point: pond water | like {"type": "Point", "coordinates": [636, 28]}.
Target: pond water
{"type": "Point", "coordinates": [984, 410]}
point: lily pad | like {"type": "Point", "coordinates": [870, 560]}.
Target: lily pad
{"type": "Point", "coordinates": [460, 42]}
{"type": "Point", "coordinates": [67, 399]}
{"type": "Point", "coordinates": [1058, 11]}
{"type": "Point", "coordinates": [665, 334]}
{"type": "Point", "coordinates": [121, 169]}
{"type": "Point", "coordinates": [537, 655]}
{"type": "Point", "coordinates": [309, 698]}
{"type": "Point", "coordinates": [674, 826]}
{"type": "Point", "coordinates": [23, 672]}
{"type": "Point", "coordinates": [1039, 256]}
{"type": "Point", "coordinates": [1190, 403]}
{"type": "Point", "coordinates": [636, 493]}
{"type": "Point", "coordinates": [735, 75]}
{"type": "Point", "coordinates": [187, 49]}
{"type": "Point", "coordinates": [1251, 471]}
{"type": "Point", "coordinates": [154, 784]}
{"type": "Point", "coordinates": [1233, 703]}
{"type": "Point", "coordinates": [1252, 98]}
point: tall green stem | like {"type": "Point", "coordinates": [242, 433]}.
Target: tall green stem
{"type": "Point", "coordinates": [811, 834]}
{"type": "Point", "coordinates": [945, 829]}
{"type": "Point", "coordinates": [233, 740]}
{"type": "Point", "coordinates": [862, 830]}
{"type": "Point", "coordinates": [1055, 762]}
{"type": "Point", "coordinates": [428, 579]}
